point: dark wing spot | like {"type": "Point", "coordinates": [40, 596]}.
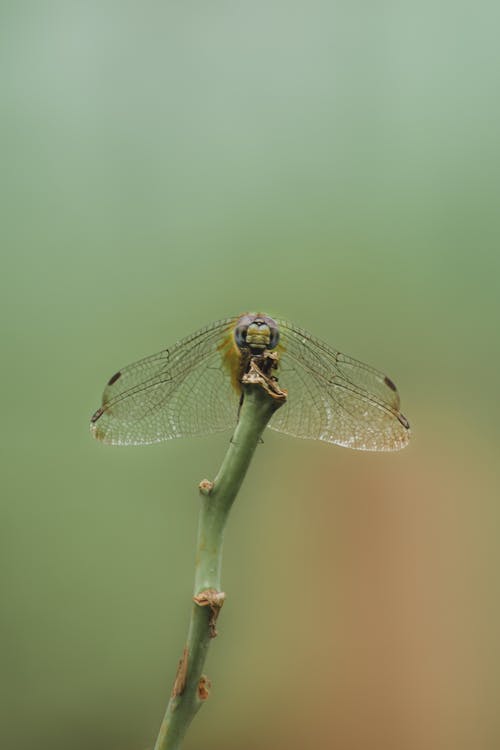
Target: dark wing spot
{"type": "Point", "coordinates": [96, 415]}
{"type": "Point", "coordinates": [387, 381]}
{"type": "Point", "coordinates": [114, 378]}
{"type": "Point", "coordinates": [404, 421]}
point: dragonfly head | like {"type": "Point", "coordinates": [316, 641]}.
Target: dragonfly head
{"type": "Point", "coordinates": [256, 332]}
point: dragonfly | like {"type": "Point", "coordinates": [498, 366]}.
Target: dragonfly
{"type": "Point", "coordinates": [195, 388]}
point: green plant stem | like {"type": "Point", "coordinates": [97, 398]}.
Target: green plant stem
{"type": "Point", "coordinates": [191, 686]}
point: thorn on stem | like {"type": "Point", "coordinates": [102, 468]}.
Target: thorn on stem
{"type": "Point", "coordinates": [213, 599]}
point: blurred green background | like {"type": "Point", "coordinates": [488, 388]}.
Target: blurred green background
{"type": "Point", "coordinates": [168, 164]}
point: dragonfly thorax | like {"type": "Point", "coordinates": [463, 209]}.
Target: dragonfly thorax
{"type": "Point", "coordinates": [257, 333]}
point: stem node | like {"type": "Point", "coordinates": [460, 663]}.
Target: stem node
{"type": "Point", "coordinates": [204, 687]}
{"type": "Point", "coordinates": [213, 599]}
{"type": "Point", "coordinates": [206, 486]}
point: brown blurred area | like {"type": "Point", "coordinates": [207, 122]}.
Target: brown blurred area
{"type": "Point", "coordinates": [379, 615]}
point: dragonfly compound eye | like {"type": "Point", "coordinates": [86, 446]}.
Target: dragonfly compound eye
{"type": "Point", "coordinates": [275, 333]}
{"type": "Point", "coordinates": [240, 335]}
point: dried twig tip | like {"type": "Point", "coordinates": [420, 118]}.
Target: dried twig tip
{"type": "Point", "coordinates": [256, 375]}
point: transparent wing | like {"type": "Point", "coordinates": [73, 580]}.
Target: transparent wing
{"type": "Point", "coordinates": [335, 398]}
{"type": "Point", "coordinates": [179, 392]}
